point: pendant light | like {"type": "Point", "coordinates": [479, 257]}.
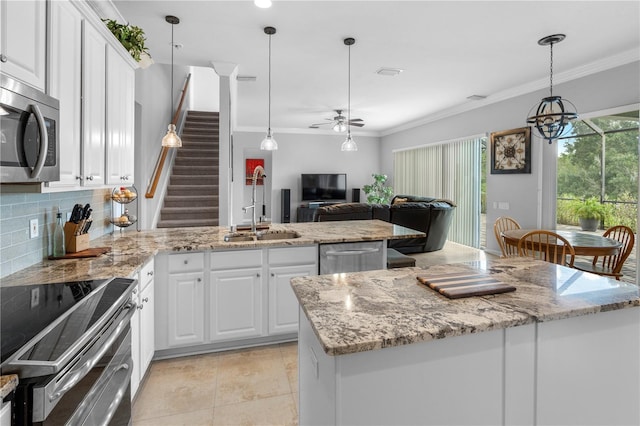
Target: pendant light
{"type": "Point", "coordinates": [171, 139]}
{"type": "Point", "coordinates": [349, 144]}
{"type": "Point", "coordinates": [269, 143]}
{"type": "Point", "coordinates": [553, 113]}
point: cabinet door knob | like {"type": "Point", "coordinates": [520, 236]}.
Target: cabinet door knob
{"type": "Point", "coordinates": [186, 261]}
{"type": "Point", "coordinates": [273, 275]}
{"type": "Point", "coordinates": [199, 279]}
{"type": "Point", "coordinates": [140, 306]}
{"type": "Point", "coordinates": [146, 299]}
{"type": "Point", "coordinates": [90, 177]}
{"type": "Point", "coordinates": [78, 177]}
{"type": "Point", "coordinates": [135, 291]}
{"type": "Point", "coordinates": [150, 273]}
{"type": "Point", "coordinates": [258, 275]}
{"type": "Point", "coordinates": [3, 57]}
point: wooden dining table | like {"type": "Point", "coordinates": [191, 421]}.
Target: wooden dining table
{"type": "Point", "coordinates": [584, 244]}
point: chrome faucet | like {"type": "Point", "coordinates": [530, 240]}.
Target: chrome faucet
{"type": "Point", "coordinates": [258, 170]}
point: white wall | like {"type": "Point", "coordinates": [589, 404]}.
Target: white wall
{"type": "Point", "coordinates": [153, 90]}
{"type": "Point", "coordinates": [204, 89]}
{"type": "Point", "coordinates": [297, 154]}
{"type": "Point", "coordinates": [526, 194]}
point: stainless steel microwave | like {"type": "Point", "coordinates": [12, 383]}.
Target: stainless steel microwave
{"type": "Point", "coordinates": [29, 150]}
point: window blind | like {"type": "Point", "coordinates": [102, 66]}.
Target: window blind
{"type": "Point", "coordinates": [449, 171]}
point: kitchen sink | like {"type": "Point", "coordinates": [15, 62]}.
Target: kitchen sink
{"type": "Point", "coordinates": [277, 235]}
{"type": "Point", "coordinates": [237, 237]}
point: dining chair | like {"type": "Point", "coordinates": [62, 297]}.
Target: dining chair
{"type": "Point", "coordinates": [505, 223]}
{"type": "Point", "coordinates": [547, 245]}
{"type": "Point", "coordinates": [611, 266]}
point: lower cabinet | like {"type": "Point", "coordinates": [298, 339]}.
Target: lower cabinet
{"type": "Point", "coordinates": [143, 326]}
{"type": "Point", "coordinates": [5, 413]}
{"type": "Point", "coordinates": [224, 296]}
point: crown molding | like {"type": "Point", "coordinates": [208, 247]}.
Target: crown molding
{"type": "Point", "coordinates": [600, 65]}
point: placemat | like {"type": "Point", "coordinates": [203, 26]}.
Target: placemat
{"type": "Point", "coordinates": [465, 284]}
{"type": "Point", "coordinates": [90, 252]}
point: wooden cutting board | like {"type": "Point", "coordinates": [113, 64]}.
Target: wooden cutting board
{"type": "Point", "coordinates": [90, 252]}
{"type": "Point", "coordinates": [465, 284]}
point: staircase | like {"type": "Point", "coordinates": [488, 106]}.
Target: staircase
{"type": "Point", "coordinates": [192, 195]}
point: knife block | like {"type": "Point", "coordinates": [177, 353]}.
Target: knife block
{"type": "Point", "coordinates": [74, 243]}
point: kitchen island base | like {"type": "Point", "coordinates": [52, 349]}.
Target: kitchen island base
{"type": "Point", "coordinates": [583, 370]}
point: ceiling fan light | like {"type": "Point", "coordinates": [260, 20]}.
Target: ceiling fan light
{"type": "Point", "coordinates": [269, 143]}
{"type": "Point", "coordinates": [171, 139]}
{"type": "Point", "coordinates": [349, 144]}
{"type": "Point", "coordinates": [340, 127]}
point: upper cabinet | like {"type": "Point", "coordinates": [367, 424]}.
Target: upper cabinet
{"type": "Point", "coordinates": [93, 107]}
{"type": "Point", "coordinates": [65, 84]}
{"type": "Point", "coordinates": [23, 40]}
{"type": "Point", "coordinates": [120, 119]}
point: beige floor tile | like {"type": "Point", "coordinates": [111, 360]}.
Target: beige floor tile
{"type": "Point", "coordinates": [290, 359]}
{"type": "Point", "coordinates": [177, 387]}
{"type": "Point", "coordinates": [251, 375]}
{"type": "Point", "coordinates": [278, 410]}
{"type": "Point", "coordinates": [193, 418]}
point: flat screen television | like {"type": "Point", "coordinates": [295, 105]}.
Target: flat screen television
{"type": "Point", "coordinates": [324, 187]}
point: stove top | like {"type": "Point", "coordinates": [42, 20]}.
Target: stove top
{"type": "Point", "coordinates": [62, 312]}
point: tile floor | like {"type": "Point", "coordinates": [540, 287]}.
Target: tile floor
{"type": "Point", "coordinates": [245, 387]}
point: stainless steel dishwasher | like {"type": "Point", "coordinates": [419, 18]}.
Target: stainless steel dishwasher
{"type": "Point", "coordinates": [352, 257]}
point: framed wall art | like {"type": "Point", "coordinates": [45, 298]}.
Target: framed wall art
{"type": "Point", "coordinates": [250, 166]}
{"type": "Point", "coordinates": [511, 151]}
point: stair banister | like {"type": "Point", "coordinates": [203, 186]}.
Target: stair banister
{"type": "Point", "coordinates": [151, 189]}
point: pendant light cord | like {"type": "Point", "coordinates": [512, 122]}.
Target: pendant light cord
{"type": "Point", "coordinates": [269, 102]}
{"type": "Point", "coordinates": [172, 48]}
{"type": "Point", "coordinates": [349, 95]}
{"type": "Point", "coordinates": [551, 72]}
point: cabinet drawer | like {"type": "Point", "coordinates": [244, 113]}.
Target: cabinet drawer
{"type": "Point", "coordinates": [293, 255]}
{"type": "Point", "coordinates": [236, 259]}
{"type": "Point", "coordinates": [186, 262]}
{"type": "Point", "coordinates": [146, 274]}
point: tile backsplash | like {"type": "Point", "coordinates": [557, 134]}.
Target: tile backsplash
{"type": "Point", "coordinates": [17, 250]}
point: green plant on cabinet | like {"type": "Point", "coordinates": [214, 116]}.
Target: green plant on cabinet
{"type": "Point", "coordinates": [131, 37]}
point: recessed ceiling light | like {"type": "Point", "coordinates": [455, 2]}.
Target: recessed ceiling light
{"type": "Point", "coordinates": [246, 78]}
{"type": "Point", "coordinates": [476, 97]}
{"type": "Point", "coordinates": [264, 4]}
{"type": "Point", "coordinates": [391, 72]}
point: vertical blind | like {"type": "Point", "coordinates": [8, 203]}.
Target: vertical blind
{"type": "Point", "coordinates": [449, 171]}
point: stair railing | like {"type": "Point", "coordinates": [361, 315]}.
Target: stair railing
{"type": "Point", "coordinates": [157, 172]}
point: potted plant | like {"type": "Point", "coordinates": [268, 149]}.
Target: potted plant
{"type": "Point", "coordinates": [589, 212]}
{"type": "Point", "coordinates": [132, 38]}
{"type": "Point", "coordinates": [378, 192]}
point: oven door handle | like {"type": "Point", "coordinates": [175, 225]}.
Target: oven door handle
{"type": "Point", "coordinates": [97, 351]}
{"type": "Point", "coordinates": [44, 142]}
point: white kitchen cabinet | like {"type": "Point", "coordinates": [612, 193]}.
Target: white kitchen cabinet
{"type": "Point", "coordinates": [284, 264]}
{"type": "Point", "coordinates": [65, 84]}
{"type": "Point", "coordinates": [142, 326]}
{"type": "Point", "coordinates": [185, 300]}
{"type": "Point", "coordinates": [5, 414]}
{"type": "Point", "coordinates": [23, 40]}
{"type": "Point", "coordinates": [93, 106]}
{"type": "Point", "coordinates": [237, 294]}
{"type": "Point", "coordinates": [120, 119]}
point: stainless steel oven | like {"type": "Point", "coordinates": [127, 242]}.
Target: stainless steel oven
{"type": "Point", "coordinates": [28, 134]}
{"type": "Point", "coordinates": [70, 344]}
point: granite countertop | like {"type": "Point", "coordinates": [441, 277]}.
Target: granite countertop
{"type": "Point", "coordinates": [8, 383]}
{"type": "Point", "coordinates": [131, 249]}
{"type": "Point", "coordinates": [365, 311]}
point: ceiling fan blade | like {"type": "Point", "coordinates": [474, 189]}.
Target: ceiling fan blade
{"type": "Point", "coordinates": [315, 126]}
{"type": "Point", "coordinates": [357, 124]}
{"type": "Point", "coordinates": [356, 119]}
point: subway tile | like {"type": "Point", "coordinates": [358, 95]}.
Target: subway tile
{"type": "Point", "coordinates": [7, 199]}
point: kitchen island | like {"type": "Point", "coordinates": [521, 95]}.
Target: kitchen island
{"type": "Point", "coordinates": [381, 348]}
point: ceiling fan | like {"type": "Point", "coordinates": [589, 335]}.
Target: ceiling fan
{"type": "Point", "coordinates": [339, 122]}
